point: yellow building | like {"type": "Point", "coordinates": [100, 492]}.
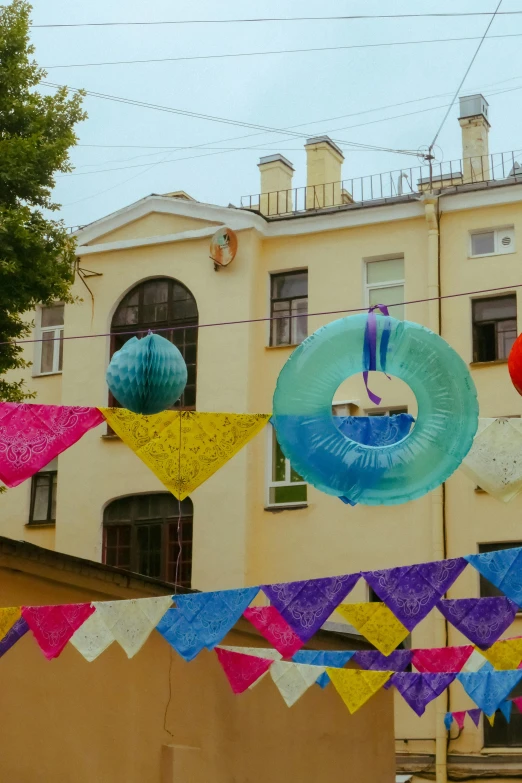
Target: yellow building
{"type": "Point", "coordinates": [331, 246]}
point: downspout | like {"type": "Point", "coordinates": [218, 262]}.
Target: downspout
{"type": "Point", "coordinates": [431, 208]}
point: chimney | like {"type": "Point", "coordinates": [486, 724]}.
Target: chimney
{"type": "Point", "coordinates": [323, 173]}
{"type": "Point", "coordinates": [475, 130]}
{"type": "Point", "coordinates": [276, 185]}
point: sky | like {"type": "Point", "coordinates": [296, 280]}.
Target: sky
{"type": "Point", "coordinates": [351, 94]}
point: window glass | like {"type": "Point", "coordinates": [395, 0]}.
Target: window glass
{"type": "Point", "coordinates": [384, 271]}
{"type": "Point", "coordinates": [47, 349]}
{"type": "Point", "coordinates": [43, 495]}
{"type": "Point", "coordinates": [494, 309]}
{"type": "Point", "coordinates": [389, 296]}
{"type": "Point", "coordinates": [289, 285]}
{"type": "Point", "coordinates": [494, 327]}
{"type": "Point", "coordinates": [289, 308]}
{"type": "Point", "coordinates": [286, 485]}
{"type": "Point", "coordinates": [52, 316]}
{"type": "Point", "coordinates": [484, 243]}
{"type": "Point", "coordinates": [41, 498]}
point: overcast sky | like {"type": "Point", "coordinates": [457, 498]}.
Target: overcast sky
{"type": "Point", "coordinates": [279, 91]}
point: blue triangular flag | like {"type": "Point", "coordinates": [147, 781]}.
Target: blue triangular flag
{"type": "Point", "coordinates": [505, 709]}
{"type": "Point", "coordinates": [488, 688]}
{"type": "Point", "coordinates": [448, 720]}
{"type": "Point", "coordinates": [334, 658]}
{"type": "Point", "coordinates": [503, 568]}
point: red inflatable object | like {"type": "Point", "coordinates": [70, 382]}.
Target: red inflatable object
{"type": "Point", "coordinates": [515, 364]}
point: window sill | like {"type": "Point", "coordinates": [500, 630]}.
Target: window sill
{"type": "Point", "coordinates": [500, 751]}
{"type": "Point", "coordinates": [277, 347]}
{"type": "Point", "coordinates": [286, 507]}
{"type": "Point", "coordinates": [492, 255]}
{"type": "Point", "coordinates": [46, 374]}
{"type": "Point", "coordinates": [40, 524]}
{"type": "Point", "coordinates": [488, 364]}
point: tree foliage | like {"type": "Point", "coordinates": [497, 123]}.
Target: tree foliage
{"type": "Point", "coordinates": [36, 133]}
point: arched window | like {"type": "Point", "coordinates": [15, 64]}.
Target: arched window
{"type": "Point", "coordinates": [140, 533]}
{"type": "Point", "coordinates": [161, 303]}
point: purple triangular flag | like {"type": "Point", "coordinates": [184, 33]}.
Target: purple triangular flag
{"type": "Point", "coordinates": [419, 689]}
{"type": "Point", "coordinates": [411, 592]}
{"type": "Point", "coordinates": [307, 605]}
{"type": "Point", "coordinates": [474, 714]}
{"type": "Point", "coordinates": [481, 620]}
{"type": "Point", "coordinates": [14, 633]}
{"type": "Point", "coordinates": [397, 661]}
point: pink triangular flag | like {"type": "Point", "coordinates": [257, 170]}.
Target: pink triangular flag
{"type": "Point", "coordinates": [441, 659]}
{"type": "Point", "coordinates": [518, 702]}
{"type": "Point", "coordinates": [53, 626]}
{"type": "Point", "coordinates": [242, 670]}
{"type": "Point", "coordinates": [474, 715]}
{"type": "Point", "coordinates": [459, 718]}
{"type": "Point", "coordinates": [275, 629]}
{"type": "Point", "coordinates": [31, 436]}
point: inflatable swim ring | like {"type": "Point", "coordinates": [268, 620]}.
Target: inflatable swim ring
{"type": "Point", "coordinates": [446, 423]}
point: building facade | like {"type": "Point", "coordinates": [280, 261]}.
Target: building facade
{"type": "Point", "coordinates": [408, 240]}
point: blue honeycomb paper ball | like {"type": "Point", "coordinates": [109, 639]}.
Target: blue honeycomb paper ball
{"type": "Point", "coordinates": [148, 375]}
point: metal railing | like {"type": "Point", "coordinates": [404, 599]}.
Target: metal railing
{"type": "Point", "coordinates": [392, 185]}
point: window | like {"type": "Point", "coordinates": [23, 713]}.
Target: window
{"type": "Point", "coordinates": [42, 510]}
{"type": "Point", "coordinates": [286, 487]}
{"type": "Point", "coordinates": [50, 349]}
{"type": "Point", "coordinates": [494, 327]}
{"type": "Point", "coordinates": [141, 535]}
{"type": "Point", "coordinates": [289, 308]}
{"type": "Point", "coordinates": [161, 303]}
{"type": "Point", "coordinates": [386, 411]}
{"type": "Point", "coordinates": [385, 285]}
{"type": "Point", "coordinates": [492, 243]}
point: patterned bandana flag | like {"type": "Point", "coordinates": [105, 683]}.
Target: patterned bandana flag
{"type": "Point", "coordinates": [448, 720]}
{"type": "Point", "coordinates": [441, 659]}
{"type": "Point", "coordinates": [274, 628]}
{"type": "Point", "coordinates": [506, 708]}
{"type": "Point", "coordinates": [503, 569]}
{"type": "Point", "coordinates": [482, 620]}
{"type": "Point", "coordinates": [475, 662]}
{"type": "Point", "coordinates": [14, 633]}
{"type": "Point", "coordinates": [131, 622]}
{"type": "Point", "coordinates": [419, 689]}
{"type": "Point", "coordinates": [257, 652]}
{"type": "Point", "coordinates": [334, 658]}
{"type": "Point", "coordinates": [8, 617]}
{"type": "Point", "coordinates": [31, 436]}
{"type": "Point", "coordinates": [411, 592]}
{"type": "Point", "coordinates": [459, 718]}
{"type": "Point", "coordinates": [356, 686]}
{"type": "Point", "coordinates": [307, 605]}
{"type": "Point", "coordinates": [506, 654]}
{"type": "Point", "coordinates": [377, 623]}
{"type": "Point", "coordinates": [518, 702]}
{"type": "Point", "coordinates": [372, 659]}
{"type": "Point", "coordinates": [493, 461]}
{"type": "Point", "coordinates": [242, 671]}
{"type": "Point", "coordinates": [53, 626]}
{"type": "Point", "coordinates": [475, 716]}
{"type": "Point", "coordinates": [208, 441]}
{"type": "Point", "coordinates": [488, 688]}
{"type": "Point", "coordinates": [93, 637]}
{"type": "Point", "coordinates": [294, 679]}
{"type": "Point", "coordinates": [203, 619]}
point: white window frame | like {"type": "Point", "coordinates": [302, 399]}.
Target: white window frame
{"type": "Point", "coordinates": [40, 331]}
{"type": "Point", "coordinates": [270, 484]}
{"type": "Point", "coordinates": [389, 283]}
{"type": "Point", "coordinates": [274, 273]}
{"type": "Point", "coordinates": [496, 241]}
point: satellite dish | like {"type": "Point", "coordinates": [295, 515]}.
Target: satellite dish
{"type": "Point", "coordinates": [223, 247]}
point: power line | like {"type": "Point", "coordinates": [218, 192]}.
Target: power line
{"type": "Point", "coordinates": [277, 52]}
{"type": "Point", "coordinates": [468, 69]}
{"type": "Point", "coordinates": [352, 17]}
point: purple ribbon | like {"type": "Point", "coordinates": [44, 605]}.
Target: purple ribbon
{"type": "Point", "coordinates": [370, 347]}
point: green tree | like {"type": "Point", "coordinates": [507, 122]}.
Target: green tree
{"type": "Point", "coordinates": [36, 133]}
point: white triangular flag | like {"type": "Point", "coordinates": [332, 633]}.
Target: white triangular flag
{"type": "Point", "coordinates": [92, 638]}
{"type": "Point", "coordinates": [294, 679]}
{"type": "Point", "coordinates": [475, 662]}
{"type": "Point", "coordinates": [131, 622]}
{"type": "Point", "coordinates": [258, 652]}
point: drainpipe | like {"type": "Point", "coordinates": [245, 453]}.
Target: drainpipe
{"type": "Point", "coordinates": [431, 208]}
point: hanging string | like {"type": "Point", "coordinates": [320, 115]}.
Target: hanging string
{"type": "Point", "coordinates": [179, 528]}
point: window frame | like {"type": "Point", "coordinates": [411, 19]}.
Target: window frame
{"type": "Point", "coordinates": [475, 324]}
{"type": "Point", "coordinates": [271, 484]}
{"type": "Point", "coordinates": [58, 333]}
{"type": "Point", "coordinates": [496, 242]}
{"type": "Point", "coordinates": [388, 284]}
{"type": "Point", "coordinates": [52, 487]}
{"type": "Point", "coordinates": [392, 410]}
{"type": "Point", "coordinates": [289, 273]}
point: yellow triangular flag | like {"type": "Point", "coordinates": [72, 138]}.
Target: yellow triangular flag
{"type": "Point", "coordinates": [491, 719]}
{"type": "Point", "coordinates": [208, 440]}
{"type": "Point", "coordinates": [356, 686]}
{"type": "Point", "coordinates": [377, 623]}
{"type": "Point", "coordinates": [8, 617]}
{"type": "Point", "coordinates": [505, 654]}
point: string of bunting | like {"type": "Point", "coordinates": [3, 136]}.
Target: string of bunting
{"type": "Point", "coordinates": [487, 669]}
{"type": "Point", "coordinates": [32, 435]}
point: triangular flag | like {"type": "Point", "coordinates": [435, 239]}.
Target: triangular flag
{"type": "Point", "coordinates": [396, 661]}
{"type": "Point", "coordinates": [258, 652]}
{"type": "Point", "coordinates": [488, 687]}
{"type": "Point", "coordinates": [92, 638]}
{"type": "Point", "coordinates": [131, 622]}
{"type": "Point", "coordinates": [242, 670]}
{"type": "Point", "coordinates": [482, 620]}
{"type": "Point", "coordinates": [8, 617]}
{"type": "Point", "coordinates": [491, 719]}
{"type": "Point", "coordinates": [518, 702]}
{"type": "Point", "coordinates": [503, 568]}
{"type": "Point", "coordinates": [493, 462]}
{"type": "Point", "coordinates": [31, 436]}
{"type": "Point", "coordinates": [505, 654]}
{"type": "Point", "coordinates": [53, 626]}
{"type": "Point", "coordinates": [448, 720]}
{"type": "Point", "coordinates": [441, 659]}
{"type": "Point", "coordinates": [475, 714]}
{"type": "Point", "coordinates": [203, 619]}
{"type": "Point", "coordinates": [274, 628]}
{"type": "Point", "coordinates": [411, 592]}
{"type": "Point", "coordinates": [184, 453]}
{"type": "Point", "coordinates": [308, 604]}
{"type": "Point", "coordinates": [475, 662]}
{"type": "Point", "coordinates": [334, 658]}
{"type": "Point", "coordinates": [505, 709]}
{"type": "Point", "coordinates": [356, 686]}
{"type": "Point", "coordinates": [377, 623]}
{"type": "Point", "coordinates": [418, 690]}
{"type": "Point", "coordinates": [294, 679]}
{"type": "Point", "coordinates": [13, 635]}
{"type": "Point", "coordinates": [459, 718]}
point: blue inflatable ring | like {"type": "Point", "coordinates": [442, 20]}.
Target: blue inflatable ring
{"type": "Point", "coordinates": [446, 422]}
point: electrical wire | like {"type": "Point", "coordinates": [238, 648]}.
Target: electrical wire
{"type": "Point", "coordinates": [278, 52]}
{"type": "Point", "coordinates": [263, 320]}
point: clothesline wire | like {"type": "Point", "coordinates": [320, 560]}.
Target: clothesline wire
{"type": "Point", "coordinates": [262, 320]}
